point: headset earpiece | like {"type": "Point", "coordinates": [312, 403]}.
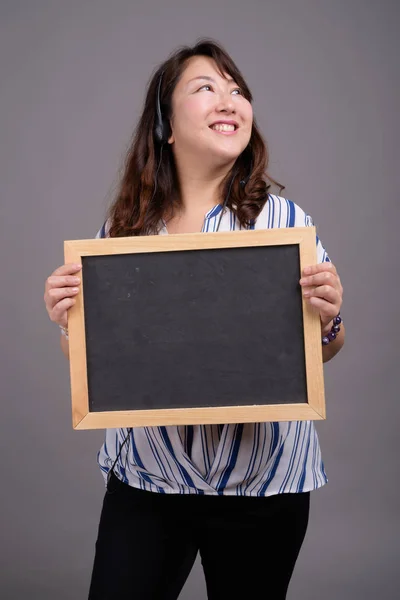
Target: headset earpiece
{"type": "Point", "coordinates": [161, 127]}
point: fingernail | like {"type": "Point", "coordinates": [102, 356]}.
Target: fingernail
{"type": "Point", "coordinates": [78, 266]}
{"type": "Point", "coordinates": [307, 270]}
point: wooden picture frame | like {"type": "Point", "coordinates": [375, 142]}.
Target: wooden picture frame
{"type": "Point", "coordinates": [77, 251]}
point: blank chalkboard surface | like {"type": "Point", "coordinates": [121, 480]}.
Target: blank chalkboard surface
{"type": "Point", "coordinates": [178, 332]}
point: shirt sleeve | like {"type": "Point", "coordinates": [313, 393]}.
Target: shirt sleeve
{"type": "Point", "coordinates": [282, 212]}
{"type": "Point", "coordinates": [103, 231]}
{"type": "Point", "coordinates": [322, 255]}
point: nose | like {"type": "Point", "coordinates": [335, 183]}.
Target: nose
{"type": "Point", "coordinates": [225, 103]}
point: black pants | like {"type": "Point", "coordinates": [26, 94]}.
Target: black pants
{"type": "Point", "coordinates": [147, 544]}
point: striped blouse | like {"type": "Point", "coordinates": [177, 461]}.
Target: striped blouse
{"type": "Point", "coordinates": [251, 459]}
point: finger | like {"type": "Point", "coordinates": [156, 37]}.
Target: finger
{"type": "Point", "coordinates": [55, 295]}
{"type": "Point", "coordinates": [59, 312]}
{"type": "Point", "coordinates": [327, 310]}
{"type": "Point", "coordinates": [67, 269]}
{"type": "Point", "coordinates": [326, 292]}
{"type": "Point", "coordinates": [322, 278]}
{"type": "Point", "coordinates": [71, 269]}
{"type": "Point", "coordinates": [319, 268]}
{"type": "Point", "coordinates": [59, 281]}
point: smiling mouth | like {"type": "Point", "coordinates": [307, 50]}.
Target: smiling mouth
{"type": "Point", "coordinates": [224, 128]}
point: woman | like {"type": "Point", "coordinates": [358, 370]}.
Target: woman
{"type": "Point", "coordinates": [238, 494]}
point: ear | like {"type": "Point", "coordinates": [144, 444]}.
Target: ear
{"type": "Point", "coordinates": [168, 128]}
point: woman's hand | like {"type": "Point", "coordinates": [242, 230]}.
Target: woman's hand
{"type": "Point", "coordinates": [60, 290]}
{"type": "Point", "coordinates": [323, 290]}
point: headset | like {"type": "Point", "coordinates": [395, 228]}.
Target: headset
{"type": "Point", "coordinates": [162, 133]}
{"type": "Point", "coordinates": [161, 127]}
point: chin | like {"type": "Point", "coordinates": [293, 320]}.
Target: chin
{"type": "Point", "coordinates": [224, 158]}
{"type": "Point", "coordinates": [225, 152]}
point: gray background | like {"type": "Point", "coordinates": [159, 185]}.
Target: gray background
{"type": "Point", "coordinates": [326, 83]}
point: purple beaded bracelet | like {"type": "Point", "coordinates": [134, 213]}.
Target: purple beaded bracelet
{"type": "Point", "coordinates": [333, 332]}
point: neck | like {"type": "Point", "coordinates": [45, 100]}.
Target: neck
{"type": "Point", "coordinates": [199, 192]}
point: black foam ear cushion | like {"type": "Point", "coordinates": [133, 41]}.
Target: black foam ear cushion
{"type": "Point", "coordinates": [159, 131]}
{"type": "Point", "coordinates": [161, 128]}
{"type": "Point", "coordinates": [162, 131]}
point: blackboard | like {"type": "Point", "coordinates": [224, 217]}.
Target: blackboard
{"type": "Point", "coordinates": [187, 329]}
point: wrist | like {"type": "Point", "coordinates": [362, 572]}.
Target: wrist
{"type": "Point", "coordinates": [325, 328]}
{"type": "Point", "coordinates": [331, 334]}
{"type": "Point", "coordinates": [64, 331]}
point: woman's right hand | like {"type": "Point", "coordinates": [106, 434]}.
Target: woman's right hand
{"type": "Point", "coordinates": [60, 291]}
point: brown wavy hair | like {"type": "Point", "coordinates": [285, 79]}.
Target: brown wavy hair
{"type": "Point", "coordinates": [149, 185]}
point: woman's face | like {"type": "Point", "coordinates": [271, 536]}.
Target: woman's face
{"type": "Point", "coordinates": [211, 120]}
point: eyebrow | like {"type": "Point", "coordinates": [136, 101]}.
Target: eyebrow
{"type": "Point", "coordinates": [207, 78]}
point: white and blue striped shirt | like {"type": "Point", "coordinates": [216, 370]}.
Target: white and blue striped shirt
{"type": "Point", "coordinates": [251, 459]}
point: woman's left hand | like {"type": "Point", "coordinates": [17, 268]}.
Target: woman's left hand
{"type": "Point", "coordinates": [323, 290]}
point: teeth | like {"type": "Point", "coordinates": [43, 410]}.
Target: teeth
{"type": "Point", "coordinates": [223, 127]}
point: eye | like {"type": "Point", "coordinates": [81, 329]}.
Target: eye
{"type": "Point", "coordinates": [207, 85]}
{"type": "Point", "coordinates": [237, 91]}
